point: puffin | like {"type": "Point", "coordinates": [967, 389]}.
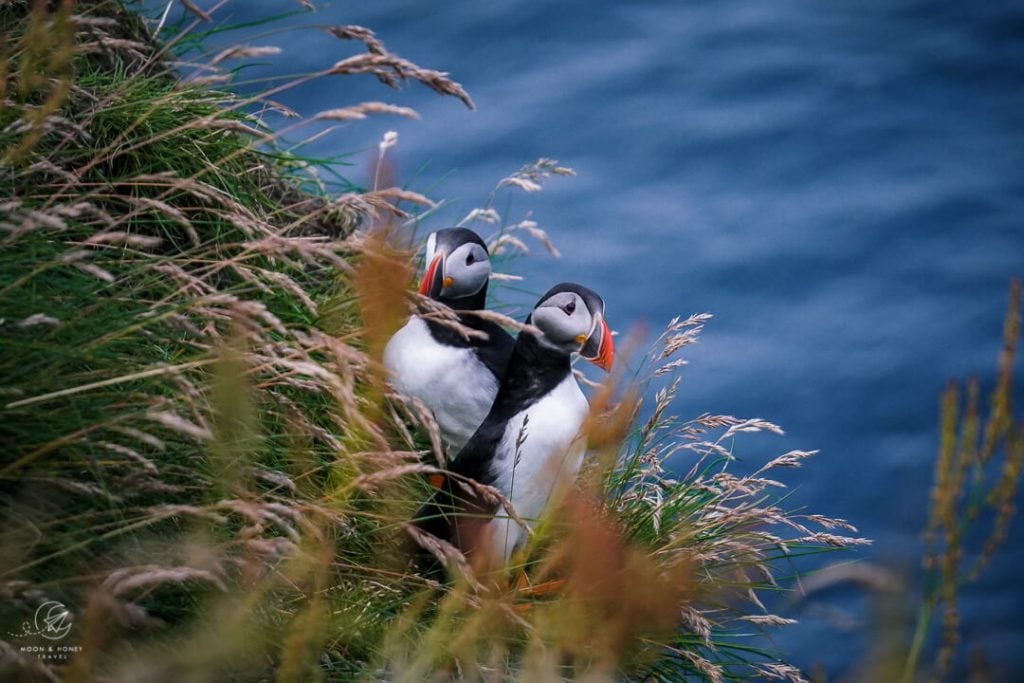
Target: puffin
{"type": "Point", "coordinates": [456, 378]}
{"type": "Point", "coordinates": [530, 442]}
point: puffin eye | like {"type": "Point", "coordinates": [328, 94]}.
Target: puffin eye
{"type": "Point", "coordinates": [569, 308]}
{"type": "Point", "coordinates": [471, 259]}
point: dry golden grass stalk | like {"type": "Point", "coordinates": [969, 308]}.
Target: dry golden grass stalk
{"type": "Point", "coordinates": [360, 33]}
{"type": "Point", "coordinates": [381, 281]}
{"type": "Point", "coordinates": [359, 111]}
{"type": "Point", "coordinates": [196, 10]}
{"type": "Point", "coordinates": [392, 70]}
{"type": "Point", "coordinates": [245, 52]}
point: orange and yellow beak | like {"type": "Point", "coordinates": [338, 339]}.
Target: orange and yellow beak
{"type": "Point", "coordinates": [599, 349]}
{"type": "Point", "coordinates": [433, 279]}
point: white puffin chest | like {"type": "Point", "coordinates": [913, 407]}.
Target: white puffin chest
{"type": "Point", "coordinates": [548, 458]}
{"type": "Point", "coordinates": [452, 381]}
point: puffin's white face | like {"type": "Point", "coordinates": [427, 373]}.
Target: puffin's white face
{"type": "Point", "coordinates": [568, 324]}
{"type": "Point", "coordinates": [454, 271]}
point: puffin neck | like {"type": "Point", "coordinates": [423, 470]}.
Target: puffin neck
{"type": "Point", "coordinates": [535, 356]}
{"type": "Point", "coordinates": [533, 371]}
{"type": "Point", "coordinates": [473, 302]}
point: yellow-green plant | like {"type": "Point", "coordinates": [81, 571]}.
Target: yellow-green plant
{"type": "Point", "coordinates": [977, 476]}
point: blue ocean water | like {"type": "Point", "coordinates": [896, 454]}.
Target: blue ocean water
{"type": "Point", "coordinates": [840, 184]}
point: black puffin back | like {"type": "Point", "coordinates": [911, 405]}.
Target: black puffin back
{"type": "Point", "coordinates": [494, 352]}
{"type": "Point", "coordinates": [495, 355]}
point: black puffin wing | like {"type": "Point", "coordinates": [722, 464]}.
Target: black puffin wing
{"type": "Point", "coordinates": [496, 350]}
{"type": "Point", "coordinates": [452, 498]}
{"type": "Point", "coordinates": [475, 458]}
{"type": "Point", "coordinates": [434, 516]}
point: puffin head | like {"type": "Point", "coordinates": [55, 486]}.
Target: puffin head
{"type": "Point", "coordinates": [570, 318]}
{"type": "Point", "coordinates": [458, 267]}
